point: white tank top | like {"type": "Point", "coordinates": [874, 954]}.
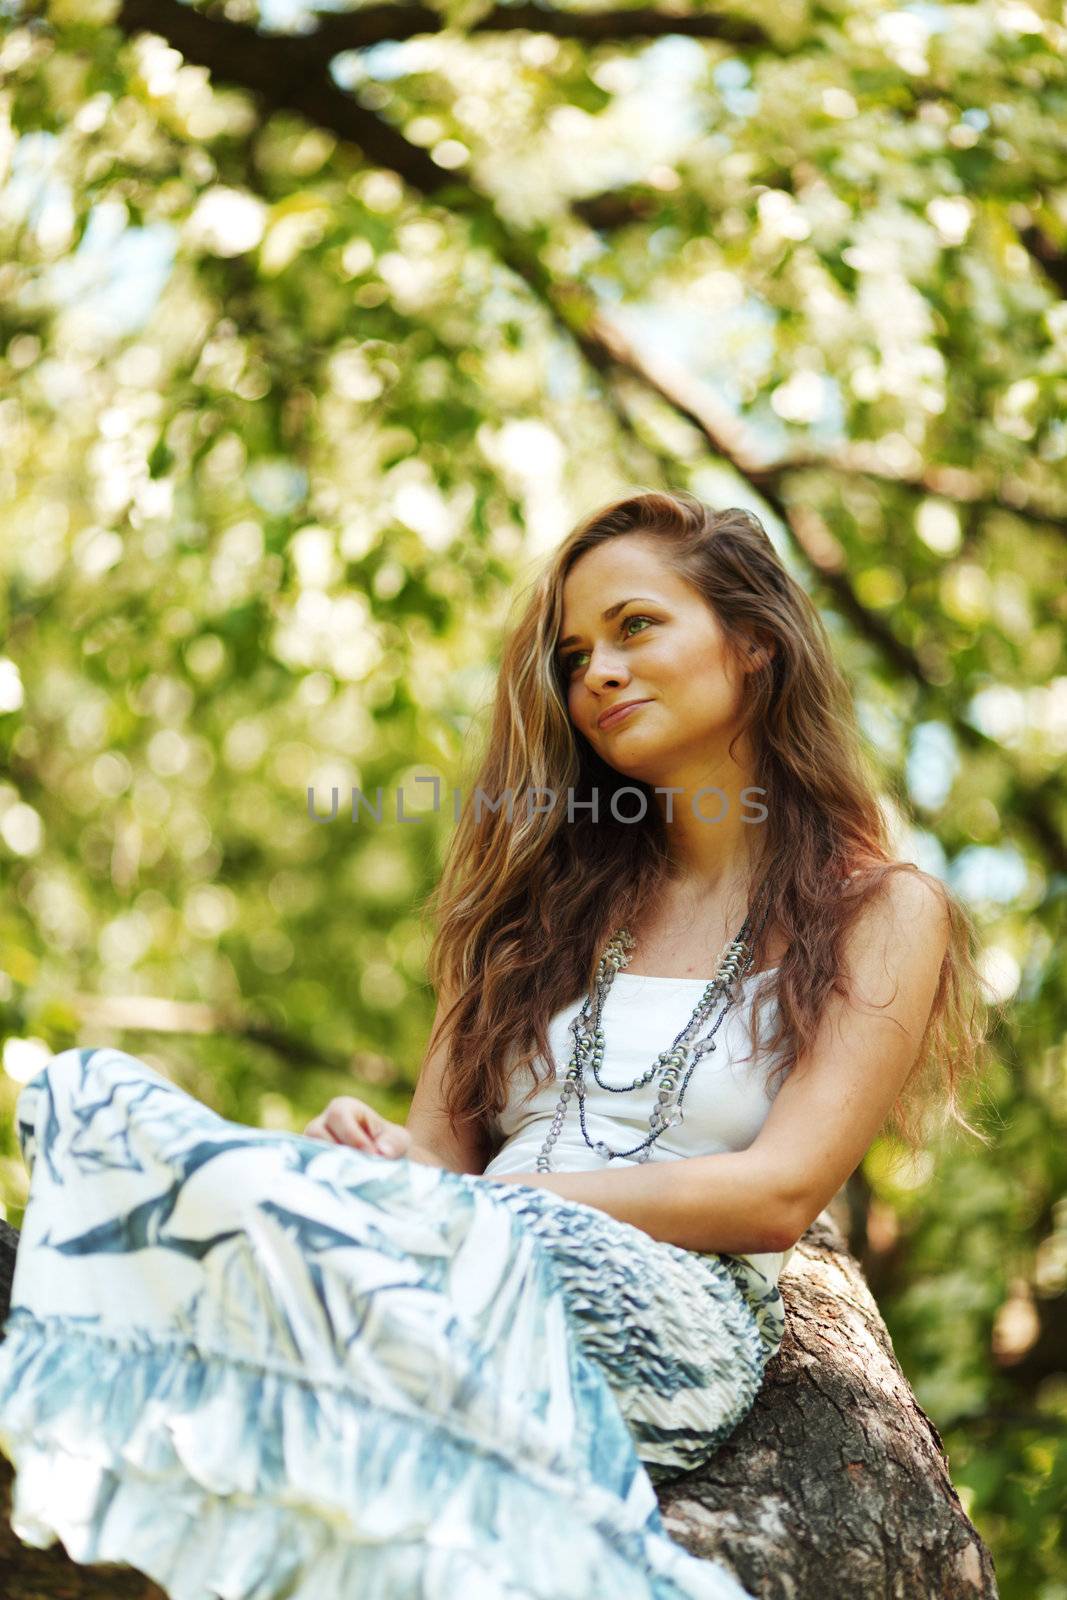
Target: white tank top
{"type": "Point", "coordinates": [725, 1103]}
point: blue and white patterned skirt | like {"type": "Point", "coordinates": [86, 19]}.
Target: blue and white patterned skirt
{"type": "Point", "coordinates": [255, 1365]}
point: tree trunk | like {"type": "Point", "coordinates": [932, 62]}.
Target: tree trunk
{"type": "Point", "coordinates": [835, 1484]}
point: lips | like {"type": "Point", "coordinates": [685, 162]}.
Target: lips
{"type": "Point", "coordinates": [609, 719]}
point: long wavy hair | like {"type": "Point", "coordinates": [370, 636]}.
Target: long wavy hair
{"type": "Point", "coordinates": [528, 899]}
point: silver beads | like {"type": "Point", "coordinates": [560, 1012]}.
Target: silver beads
{"type": "Point", "coordinates": [672, 1064]}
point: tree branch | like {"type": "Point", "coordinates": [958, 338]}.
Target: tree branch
{"type": "Point", "coordinates": [372, 24]}
{"type": "Point", "coordinates": [616, 208]}
{"type": "Point", "coordinates": [963, 485]}
{"type": "Point", "coordinates": [270, 69]}
{"type": "Point", "coordinates": [1048, 256]}
{"type": "Point", "coordinates": [151, 1014]}
{"type": "Point", "coordinates": [381, 24]}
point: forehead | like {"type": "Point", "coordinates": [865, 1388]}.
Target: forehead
{"type": "Point", "coordinates": [610, 570]}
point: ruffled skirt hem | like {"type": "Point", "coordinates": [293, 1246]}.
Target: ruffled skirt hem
{"type": "Point", "coordinates": [224, 1480]}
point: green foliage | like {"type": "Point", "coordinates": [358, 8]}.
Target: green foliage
{"type": "Point", "coordinates": [283, 427]}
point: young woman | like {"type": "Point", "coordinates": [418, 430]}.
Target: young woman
{"type": "Point", "coordinates": [682, 985]}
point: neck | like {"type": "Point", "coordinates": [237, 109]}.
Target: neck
{"type": "Point", "coordinates": [714, 859]}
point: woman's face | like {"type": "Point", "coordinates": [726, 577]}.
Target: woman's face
{"type": "Point", "coordinates": [663, 646]}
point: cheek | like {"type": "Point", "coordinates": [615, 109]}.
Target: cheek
{"type": "Point", "coordinates": [573, 696]}
{"type": "Point", "coordinates": [703, 691]}
{"type": "Point", "coordinates": [712, 666]}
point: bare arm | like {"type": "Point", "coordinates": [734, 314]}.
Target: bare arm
{"type": "Point", "coordinates": [823, 1118]}
{"type": "Point", "coordinates": [432, 1138]}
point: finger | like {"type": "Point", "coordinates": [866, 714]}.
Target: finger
{"type": "Point", "coordinates": [348, 1137]}
{"type": "Point", "coordinates": [393, 1141]}
{"type": "Point", "coordinates": [341, 1129]}
{"type": "Point", "coordinates": [378, 1129]}
{"type": "Point", "coordinates": [352, 1123]}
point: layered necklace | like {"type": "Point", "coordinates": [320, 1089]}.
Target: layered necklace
{"type": "Point", "coordinates": [680, 1057]}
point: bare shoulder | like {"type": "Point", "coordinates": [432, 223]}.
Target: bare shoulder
{"type": "Point", "coordinates": [845, 1083]}
{"type": "Point", "coordinates": [904, 928]}
{"type": "Point", "coordinates": [916, 902]}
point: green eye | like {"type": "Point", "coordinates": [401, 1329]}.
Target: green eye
{"type": "Point", "coordinates": [570, 661]}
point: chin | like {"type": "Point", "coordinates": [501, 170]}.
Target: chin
{"type": "Point", "coordinates": [640, 765]}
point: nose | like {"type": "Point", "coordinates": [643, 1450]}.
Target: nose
{"type": "Point", "coordinates": [606, 669]}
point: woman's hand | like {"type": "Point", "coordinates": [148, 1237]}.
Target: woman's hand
{"type": "Point", "coordinates": [347, 1120]}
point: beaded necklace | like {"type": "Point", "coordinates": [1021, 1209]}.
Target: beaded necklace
{"type": "Point", "coordinates": [588, 1050]}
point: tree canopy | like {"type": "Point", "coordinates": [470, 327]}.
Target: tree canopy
{"type": "Point", "coordinates": [318, 329]}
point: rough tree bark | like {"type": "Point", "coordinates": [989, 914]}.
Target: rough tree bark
{"type": "Point", "coordinates": [835, 1484]}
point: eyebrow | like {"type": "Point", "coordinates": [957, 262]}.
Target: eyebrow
{"type": "Point", "coordinates": [606, 616]}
